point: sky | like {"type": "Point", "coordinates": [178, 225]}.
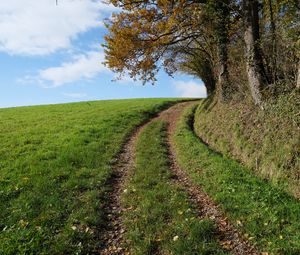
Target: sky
{"type": "Point", "coordinates": [52, 54]}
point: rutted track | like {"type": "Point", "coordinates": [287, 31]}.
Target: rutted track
{"type": "Point", "coordinates": [228, 237]}
{"type": "Point", "coordinates": [113, 234]}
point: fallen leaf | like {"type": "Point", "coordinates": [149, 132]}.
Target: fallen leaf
{"type": "Point", "coordinates": [175, 238]}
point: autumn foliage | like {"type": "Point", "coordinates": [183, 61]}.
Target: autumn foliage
{"type": "Point", "coordinates": [147, 35]}
{"type": "Point", "coordinates": [213, 40]}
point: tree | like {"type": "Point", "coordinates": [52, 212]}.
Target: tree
{"type": "Point", "coordinates": [206, 38]}
{"type": "Point", "coordinates": [279, 36]}
{"type": "Point", "coordinates": [201, 58]}
{"type": "Point", "coordinates": [222, 13]}
{"type": "Point", "coordinates": [149, 35]}
{"type": "Point", "coordinates": [297, 5]}
{"type": "Point", "coordinates": [273, 58]}
{"type": "Point", "coordinates": [253, 54]}
{"type": "Point", "coordinates": [198, 63]}
{"type": "Point", "coordinates": [298, 77]}
{"type": "Point", "coordinates": [157, 33]}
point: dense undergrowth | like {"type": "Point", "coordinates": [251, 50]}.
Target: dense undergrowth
{"type": "Point", "coordinates": [54, 165]}
{"type": "Point", "coordinates": [159, 218]}
{"type": "Point", "coordinates": [266, 215]}
{"type": "Point", "coordinates": [268, 141]}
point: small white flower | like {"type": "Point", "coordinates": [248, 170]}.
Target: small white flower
{"type": "Point", "coordinates": [175, 238]}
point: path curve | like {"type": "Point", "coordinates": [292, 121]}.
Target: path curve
{"type": "Point", "coordinates": [113, 240]}
{"type": "Point", "coordinates": [229, 238]}
{"type": "Point", "coordinates": [112, 236]}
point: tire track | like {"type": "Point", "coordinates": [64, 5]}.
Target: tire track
{"type": "Point", "coordinates": [230, 239]}
{"type": "Point", "coordinates": [112, 236]}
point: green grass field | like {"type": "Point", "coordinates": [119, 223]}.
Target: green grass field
{"type": "Point", "coordinates": [56, 162]}
{"type": "Point", "coordinates": [54, 165]}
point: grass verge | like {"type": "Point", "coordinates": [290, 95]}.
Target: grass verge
{"type": "Point", "coordinates": [267, 141]}
{"type": "Point", "coordinates": [54, 165]}
{"type": "Point", "coordinates": [159, 218]}
{"type": "Point", "coordinates": [265, 214]}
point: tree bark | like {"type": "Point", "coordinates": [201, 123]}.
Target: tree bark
{"type": "Point", "coordinates": [209, 82]}
{"type": "Point", "coordinates": [254, 63]}
{"type": "Point", "coordinates": [274, 43]}
{"type": "Point", "coordinates": [298, 77]}
{"type": "Point", "coordinates": [222, 23]}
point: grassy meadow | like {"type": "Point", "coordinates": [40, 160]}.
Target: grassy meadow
{"type": "Point", "coordinates": [54, 165]}
{"type": "Point", "coordinates": [56, 162]}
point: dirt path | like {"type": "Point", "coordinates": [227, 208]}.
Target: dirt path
{"type": "Point", "coordinates": [113, 235]}
{"type": "Point", "coordinates": [229, 237]}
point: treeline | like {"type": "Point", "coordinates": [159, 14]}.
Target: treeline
{"type": "Point", "coordinates": [237, 47]}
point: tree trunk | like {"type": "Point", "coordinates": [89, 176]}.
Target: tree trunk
{"type": "Point", "coordinates": [274, 43]}
{"type": "Point", "coordinates": [222, 22]}
{"type": "Point", "coordinates": [209, 82]}
{"type": "Point", "coordinates": [297, 4]}
{"type": "Point", "coordinates": [298, 77]}
{"type": "Point", "coordinates": [200, 65]}
{"type": "Point", "coordinates": [254, 63]}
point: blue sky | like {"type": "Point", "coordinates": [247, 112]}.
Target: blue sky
{"type": "Point", "coordinates": [52, 54]}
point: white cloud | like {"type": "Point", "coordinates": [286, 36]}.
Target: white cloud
{"type": "Point", "coordinates": [75, 95]}
{"type": "Point", "coordinates": [83, 66]}
{"type": "Point", "coordinates": [39, 27]}
{"type": "Point", "coordinates": [190, 89]}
